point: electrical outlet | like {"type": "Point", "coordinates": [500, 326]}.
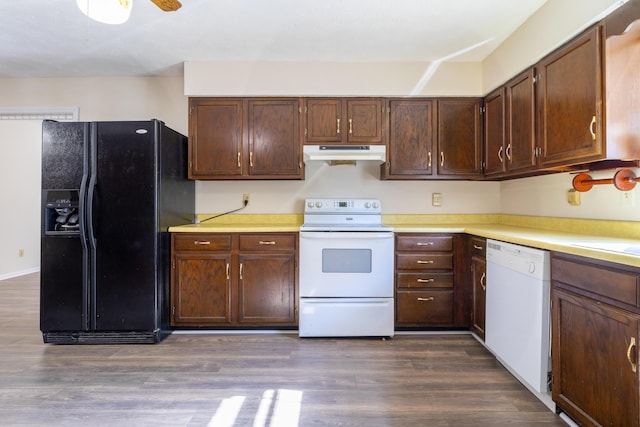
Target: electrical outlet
{"type": "Point", "coordinates": [436, 199]}
{"type": "Point", "coordinates": [20, 252]}
{"type": "Point", "coordinates": [628, 199]}
{"type": "Point", "coordinates": [245, 199]}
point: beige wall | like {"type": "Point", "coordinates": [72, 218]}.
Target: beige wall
{"type": "Point", "coordinates": [332, 78]}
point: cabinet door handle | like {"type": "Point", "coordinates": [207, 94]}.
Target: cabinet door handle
{"type": "Point", "coordinates": [426, 299]}
{"type": "Point", "coordinates": [483, 280]}
{"type": "Point", "coordinates": [338, 126]}
{"type": "Point", "coordinates": [251, 158]}
{"type": "Point", "coordinates": [500, 155]}
{"type": "Point", "coordinates": [442, 158]}
{"type": "Point", "coordinates": [424, 244]}
{"type": "Point", "coordinates": [241, 271]}
{"type": "Point", "coordinates": [591, 128]}
{"type": "Point", "coordinates": [266, 242]}
{"type": "Point", "coordinates": [429, 155]}
{"type": "Point", "coordinates": [632, 344]}
{"type": "Point", "coordinates": [508, 152]}
{"type": "Point", "coordinates": [201, 242]}
{"type": "Point", "coordinates": [478, 248]}
{"type": "Point", "coordinates": [350, 126]}
{"type": "Point", "coordinates": [228, 271]}
{"type": "Point", "coordinates": [426, 280]}
{"type": "Point", "coordinates": [238, 159]}
{"type": "Point", "coordinates": [429, 261]}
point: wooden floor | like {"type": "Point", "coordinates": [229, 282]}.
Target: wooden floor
{"type": "Point", "coordinates": [251, 380]}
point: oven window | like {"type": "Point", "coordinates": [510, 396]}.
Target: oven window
{"type": "Point", "coordinates": [346, 260]}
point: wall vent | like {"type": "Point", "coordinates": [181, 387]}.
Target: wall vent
{"type": "Point", "coordinates": [61, 114]}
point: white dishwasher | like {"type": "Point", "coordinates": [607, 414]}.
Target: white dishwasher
{"type": "Point", "coordinates": [517, 313]}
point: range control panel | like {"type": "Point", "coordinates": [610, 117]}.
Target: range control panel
{"type": "Point", "coordinates": [328, 206]}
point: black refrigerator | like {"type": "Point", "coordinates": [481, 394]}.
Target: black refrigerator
{"type": "Point", "coordinates": [110, 191]}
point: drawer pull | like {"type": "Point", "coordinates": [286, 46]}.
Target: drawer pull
{"type": "Point", "coordinates": [429, 261]}
{"type": "Point", "coordinates": [201, 242]}
{"type": "Point", "coordinates": [426, 299]}
{"type": "Point", "coordinates": [426, 280]}
{"type": "Point", "coordinates": [483, 280]}
{"type": "Point", "coordinates": [632, 344]}
{"type": "Point", "coordinates": [424, 243]}
{"type": "Point", "coordinates": [266, 242]}
{"type": "Point", "coordinates": [478, 248]}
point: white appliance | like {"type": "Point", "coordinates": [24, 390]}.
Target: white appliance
{"type": "Point", "coordinates": [518, 315]}
{"type": "Point", "coordinates": [376, 153]}
{"type": "Point", "coordinates": [346, 270]}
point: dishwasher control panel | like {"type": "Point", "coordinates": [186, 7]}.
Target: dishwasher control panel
{"type": "Point", "coordinates": [531, 262]}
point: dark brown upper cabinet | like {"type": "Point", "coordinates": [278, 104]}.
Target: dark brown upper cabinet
{"type": "Point", "coordinates": [344, 121]}
{"type": "Point", "coordinates": [412, 138]}
{"type": "Point", "coordinates": [245, 138]}
{"type": "Point", "coordinates": [570, 102]}
{"type": "Point", "coordinates": [459, 149]}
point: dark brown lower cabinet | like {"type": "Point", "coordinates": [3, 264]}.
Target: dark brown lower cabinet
{"type": "Point", "coordinates": [427, 269]}
{"type": "Point", "coordinates": [477, 248]}
{"type": "Point", "coordinates": [234, 279]}
{"type": "Point", "coordinates": [595, 324]}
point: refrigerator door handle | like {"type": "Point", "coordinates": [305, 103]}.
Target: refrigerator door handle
{"type": "Point", "coordinates": [93, 173]}
{"type": "Point", "coordinates": [84, 237]}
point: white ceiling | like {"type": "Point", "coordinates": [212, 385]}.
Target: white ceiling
{"type": "Point", "coordinates": [52, 38]}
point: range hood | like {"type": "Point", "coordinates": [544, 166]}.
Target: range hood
{"type": "Point", "coordinates": [344, 153]}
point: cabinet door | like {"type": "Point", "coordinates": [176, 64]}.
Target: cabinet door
{"type": "Point", "coordinates": [479, 284]}
{"type": "Point", "coordinates": [494, 133]}
{"type": "Point", "coordinates": [274, 137]}
{"type": "Point", "coordinates": [364, 121]}
{"type": "Point", "coordinates": [570, 99]}
{"type": "Point", "coordinates": [215, 137]}
{"type": "Point", "coordinates": [324, 120]}
{"type": "Point", "coordinates": [266, 289]}
{"type": "Point", "coordinates": [459, 137]}
{"type": "Point", "coordinates": [520, 123]}
{"type": "Point", "coordinates": [595, 379]}
{"type": "Point", "coordinates": [201, 289]}
{"type": "Point", "coordinates": [411, 138]}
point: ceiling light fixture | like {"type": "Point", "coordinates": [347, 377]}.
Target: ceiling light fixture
{"type": "Point", "coordinates": [106, 11]}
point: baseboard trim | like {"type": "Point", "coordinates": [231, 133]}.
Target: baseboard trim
{"type": "Point", "coordinates": [19, 273]}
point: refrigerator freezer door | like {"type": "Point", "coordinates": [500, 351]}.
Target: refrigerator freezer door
{"type": "Point", "coordinates": [63, 296]}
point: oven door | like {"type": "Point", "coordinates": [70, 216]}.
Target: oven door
{"type": "Point", "coordinates": [345, 264]}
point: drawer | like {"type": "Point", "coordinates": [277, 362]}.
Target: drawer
{"type": "Point", "coordinates": [201, 242]}
{"type": "Point", "coordinates": [478, 246]}
{"type": "Point", "coordinates": [424, 242]}
{"type": "Point", "coordinates": [424, 308]}
{"type": "Point", "coordinates": [617, 285]}
{"type": "Point", "coordinates": [424, 280]}
{"type": "Point", "coordinates": [268, 242]}
{"type": "Point", "coordinates": [427, 261]}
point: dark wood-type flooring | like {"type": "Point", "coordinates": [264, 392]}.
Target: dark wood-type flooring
{"type": "Point", "coordinates": [251, 380]}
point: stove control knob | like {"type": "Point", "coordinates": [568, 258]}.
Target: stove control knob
{"type": "Point", "coordinates": [318, 204]}
{"type": "Point", "coordinates": [375, 205]}
{"type": "Point", "coordinates": [310, 204]}
{"type": "Point", "coordinates": [367, 205]}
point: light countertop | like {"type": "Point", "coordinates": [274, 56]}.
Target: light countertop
{"type": "Point", "coordinates": [556, 234]}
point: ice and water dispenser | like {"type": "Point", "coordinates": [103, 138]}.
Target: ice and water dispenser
{"type": "Point", "coordinates": [61, 213]}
